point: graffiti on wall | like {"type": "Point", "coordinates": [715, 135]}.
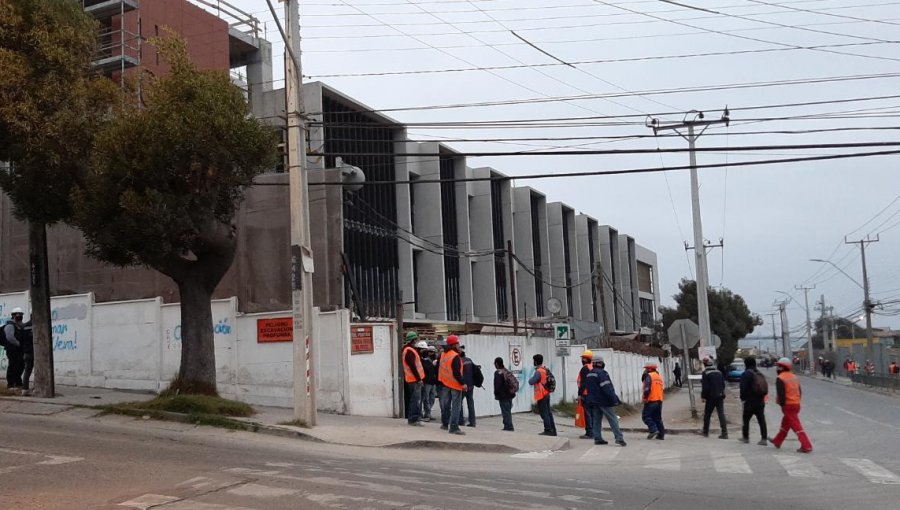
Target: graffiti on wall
{"type": "Point", "coordinates": [67, 321]}
{"type": "Point", "coordinates": [173, 335]}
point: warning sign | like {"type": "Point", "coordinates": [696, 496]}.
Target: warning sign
{"type": "Point", "coordinates": [275, 330]}
{"type": "Point", "coordinates": [361, 340]}
{"type": "Point", "coordinates": [516, 360]}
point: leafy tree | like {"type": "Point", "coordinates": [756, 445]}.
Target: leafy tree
{"type": "Point", "coordinates": [729, 316]}
{"type": "Point", "coordinates": [166, 182]}
{"type": "Point", "coordinates": [51, 107]}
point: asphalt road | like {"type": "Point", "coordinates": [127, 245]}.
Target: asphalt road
{"type": "Point", "coordinates": [69, 461]}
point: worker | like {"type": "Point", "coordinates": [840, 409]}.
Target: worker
{"type": "Point", "coordinates": [429, 390]}
{"type": "Point", "coordinates": [713, 396]}
{"type": "Point", "coordinates": [789, 394]}
{"type": "Point", "coordinates": [414, 377]}
{"type": "Point", "coordinates": [601, 400]}
{"type": "Point", "coordinates": [586, 360]}
{"type": "Point", "coordinates": [870, 368]}
{"type": "Point", "coordinates": [893, 369]}
{"type": "Point", "coordinates": [653, 399]}
{"type": "Point", "coordinates": [450, 374]}
{"type": "Point", "coordinates": [542, 394]}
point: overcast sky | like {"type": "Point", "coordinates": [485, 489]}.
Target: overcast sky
{"type": "Point", "coordinates": [773, 218]}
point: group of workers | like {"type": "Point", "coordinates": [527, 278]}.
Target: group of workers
{"type": "Point", "coordinates": [17, 339]}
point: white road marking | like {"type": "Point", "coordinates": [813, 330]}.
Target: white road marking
{"type": "Point", "coordinates": [56, 460]}
{"type": "Point", "coordinates": [248, 471]}
{"type": "Point", "coordinates": [862, 417]}
{"type": "Point", "coordinates": [669, 460]}
{"type": "Point", "coordinates": [797, 467]}
{"type": "Point", "coordinates": [534, 455]}
{"type": "Point", "coordinates": [196, 483]}
{"type": "Point", "coordinates": [254, 490]}
{"type": "Point", "coordinates": [732, 463]}
{"type": "Point", "coordinates": [599, 454]}
{"type": "Point", "coordinates": [197, 505]}
{"type": "Point", "coordinates": [825, 422]}
{"type": "Point", "coordinates": [148, 501]}
{"type": "Point", "coordinates": [872, 471]}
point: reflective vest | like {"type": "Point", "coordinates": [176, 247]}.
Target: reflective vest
{"type": "Point", "coordinates": [539, 390]}
{"type": "Point", "coordinates": [851, 367]}
{"type": "Point", "coordinates": [408, 374]}
{"type": "Point", "coordinates": [445, 372]}
{"type": "Point", "coordinates": [895, 369]}
{"type": "Point", "coordinates": [791, 388]}
{"type": "Point", "coordinates": [656, 387]}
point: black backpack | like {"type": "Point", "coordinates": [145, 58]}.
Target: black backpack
{"type": "Point", "coordinates": [477, 376]}
{"type": "Point", "coordinates": [550, 385]}
{"type": "Point", "coordinates": [759, 385]}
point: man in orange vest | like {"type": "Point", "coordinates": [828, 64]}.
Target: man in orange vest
{"type": "Point", "coordinates": [789, 393]}
{"type": "Point", "coordinates": [414, 377]}
{"type": "Point", "coordinates": [586, 367]}
{"type": "Point", "coordinates": [893, 369]}
{"type": "Point", "coordinates": [542, 395]}
{"type": "Point", "coordinates": [653, 399]}
{"type": "Point", "coordinates": [450, 374]}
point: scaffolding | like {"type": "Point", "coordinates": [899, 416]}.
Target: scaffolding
{"type": "Point", "coordinates": [119, 48]}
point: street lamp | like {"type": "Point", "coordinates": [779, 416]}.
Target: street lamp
{"type": "Point", "coordinates": [867, 304]}
{"type": "Point", "coordinates": [839, 269]}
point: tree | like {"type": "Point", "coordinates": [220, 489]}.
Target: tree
{"type": "Point", "coordinates": [51, 107]}
{"type": "Point", "coordinates": [729, 316]}
{"type": "Point", "coordinates": [166, 182]}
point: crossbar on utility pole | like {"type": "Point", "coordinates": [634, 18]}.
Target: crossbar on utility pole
{"type": "Point", "coordinates": [699, 244]}
{"type": "Point", "coordinates": [867, 302]}
{"type": "Point", "coordinates": [810, 350]}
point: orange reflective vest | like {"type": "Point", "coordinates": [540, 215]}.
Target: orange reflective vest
{"type": "Point", "coordinates": [894, 369]}
{"type": "Point", "coordinates": [851, 367]}
{"type": "Point", "coordinates": [539, 390]}
{"type": "Point", "coordinates": [445, 371]}
{"type": "Point", "coordinates": [408, 374]}
{"type": "Point", "coordinates": [656, 387]}
{"type": "Point", "coordinates": [791, 388]}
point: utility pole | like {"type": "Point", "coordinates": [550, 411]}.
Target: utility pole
{"type": "Point", "coordinates": [809, 342]}
{"type": "Point", "coordinates": [301, 254]}
{"type": "Point", "coordinates": [774, 336]}
{"type": "Point", "coordinates": [697, 121]}
{"type": "Point", "coordinates": [785, 332]}
{"type": "Point", "coordinates": [867, 303]}
{"type": "Point", "coordinates": [824, 324]}
{"type": "Point", "coordinates": [598, 281]}
{"type": "Point", "coordinates": [512, 287]}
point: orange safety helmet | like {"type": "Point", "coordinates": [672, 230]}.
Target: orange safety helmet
{"type": "Point", "coordinates": [587, 354]}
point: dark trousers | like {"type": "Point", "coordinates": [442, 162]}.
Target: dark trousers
{"type": "Point", "coordinates": [717, 404]}
{"type": "Point", "coordinates": [678, 380]}
{"type": "Point", "coordinates": [597, 413]}
{"type": "Point", "coordinates": [469, 397]}
{"type": "Point", "coordinates": [506, 412]}
{"type": "Point", "coordinates": [444, 400]}
{"type": "Point", "coordinates": [16, 364]}
{"type": "Point", "coordinates": [588, 421]}
{"type": "Point", "coordinates": [546, 414]}
{"type": "Point", "coordinates": [652, 416]}
{"type": "Point", "coordinates": [414, 401]}
{"type": "Point", "coordinates": [757, 409]}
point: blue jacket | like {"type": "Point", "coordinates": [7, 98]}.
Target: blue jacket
{"type": "Point", "coordinates": [600, 390]}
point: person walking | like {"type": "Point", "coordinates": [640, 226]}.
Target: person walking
{"type": "Point", "coordinates": [13, 339]}
{"type": "Point", "coordinates": [677, 373]}
{"type": "Point", "coordinates": [505, 388]}
{"type": "Point", "coordinates": [542, 394]}
{"type": "Point", "coordinates": [586, 368]}
{"type": "Point", "coordinates": [414, 377]}
{"type": "Point", "coordinates": [754, 393]}
{"type": "Point", "coordinates": [601, 401]}
{"type": "Point", "coordinates": [429, 389]}
{"type": "Point", "coordinates": [712, 393]}
{"type": "Point", "coordinates": [653, 400]}
{"type": "Point", "coordinates": [789, 395]}
{"type": "Point", "coordinates": [450, 374]}
{"type": "Point", "coordinates": [894, 369]}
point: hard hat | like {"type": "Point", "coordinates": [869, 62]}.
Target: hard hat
{"type": "Point", "coordinates": [421, 345]}
{"type": "Point", "coordinates": [786, 363]}
{"type": "Point", "coordinates": [17, 310]}
{"type": "Point", "coordinates": [412, 335]}
{"type": "Point", "coordinates": [596, 357]}
{"type": "Point", "coordinates": [651, 364]}
{"type": "Point", "coordinates": [452, 340]}
{"type": "Point", "coordinates": [587, 354]}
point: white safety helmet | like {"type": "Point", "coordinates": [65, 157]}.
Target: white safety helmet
{"type": "Point", "coordinates": [597, 358]}
{"type": "Point", "coordinates": [421, 344]}
{"type": "Point", "coordinates": [17, 310]}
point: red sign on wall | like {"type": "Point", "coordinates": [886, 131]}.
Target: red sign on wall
{"type": "Point", "coordinates": [361, 341]}
{"type": "Point", "coordinates": [275, 330]}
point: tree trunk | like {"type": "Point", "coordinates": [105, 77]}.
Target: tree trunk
{"type": "Point", "coordinates": [198, 355]}
{"type": "Point", "coordinates": [44, 382]}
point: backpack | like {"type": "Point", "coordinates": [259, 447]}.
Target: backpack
{"type": "Point", "coordinates": [477, 376]}
{"type": "Point", "coordinates": [550, 385]}
{"type": "Point", "coordinates": [2, 335]}
{"type": "Point", "coordinates": [759, 385]}
{"type": "Point", "coordinates": [512, 383]}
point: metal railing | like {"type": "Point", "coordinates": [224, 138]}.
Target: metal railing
{"type": "Point", "coordinates": [237, 18]}
{"type": "Point", "coordinates": [880, 381]}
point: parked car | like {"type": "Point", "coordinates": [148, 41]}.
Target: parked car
{"type": "Point", "coordinates": [735, 370]}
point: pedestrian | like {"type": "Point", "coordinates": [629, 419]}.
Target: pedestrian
{"type": "Point", "coordinates": [712, 393]}
{"type": "Point", "coordinates": [828, 367]}
{"type": "Point", "coordinates": [893, 369]}
{"type": "Point", "coordinates": [789, 395]}
{"type": "Point", "coordinates": [471, 381]}
{"type": "Point", "coordinates": [450, 374]}
{"type": "Point", "coordinates": [429, 389]}
{"type": "Point", "coordinates": [870, 368]}
{"type": "Point", "coordinates": [540, 381]}
{"type": "Point", "coordinates": [13, 340]}
{"type": "Point", "coordinates": [601, 401]}
{"type": "Point", "coordinates": [754, 393]}
{"type": "Point", "coordinates": [586, 368]}
{"type": "Point", "coordinates": [505, 387]}
{"type": "Point", "coordinates": [677, 373]}
{"type": "Point", "coordinates": [653, 400]}
{"type": "Point", "coordinates": [414, 377]}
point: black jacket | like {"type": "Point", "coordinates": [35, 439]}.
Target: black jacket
{"type": "Point", "coordinates": [713, 384]}
{"type": "Point", "coordinates": [468, 371]}
{"type": "Point", "coordinates": [501, 392]}
{"type": "Point", "coordinates": [431, 370]}
{"type": "Point", "coordinates": [747, 393]}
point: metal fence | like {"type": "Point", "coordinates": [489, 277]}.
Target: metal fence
{"type": "Point", "coordinates": [881, 381]}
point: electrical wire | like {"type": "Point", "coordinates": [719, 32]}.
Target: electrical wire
{"type": "Point", "coordinates": [545, 282]}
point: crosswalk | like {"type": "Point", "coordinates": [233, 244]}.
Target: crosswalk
{"type": "Point", "coordinates": [735, 463]}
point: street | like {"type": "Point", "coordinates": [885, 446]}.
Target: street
{"type": "Point", "coordinates": [72, 461]}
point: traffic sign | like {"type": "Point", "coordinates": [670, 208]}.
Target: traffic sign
{"type": "Point", "coordinates": [707, 352]}
{"type": "Point", "coordinates": [684, 333]}
{"type": "Point", "coordinates": [516, 358]}
{"type": "Point", "coordinates": [563, 343]}
{"type": "Point", "coordinates": [562, 352]}
{"type": "Point", "coordinates": [562, 331]}
{"type": "Point", "coordinates": [716, 341]}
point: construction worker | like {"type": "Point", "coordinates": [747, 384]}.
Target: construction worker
{"type": "Point", "coordinates": [450, 374]}
{"type": "Point", "coordinates": [870, 368]}
{"type": "Point", "coordinates": [541, 395]}
{"type": "Point", "coordinates": [429, 390]}
{"type": "Point", "coordinates": [894, 369]}
{"type": "Point", "coordinates": [414, 377]}
{"type": "Point", "coordinates": [713, 395]}
{"type": "Point", "coordinates": [586, 359]}
{"type": "Point", "coordinates": [789, 394]}
{"type": "Point", "coordinates": [851, 368]}
{"type": "Point", "coordinates": [653, 399]}
{"type": "Point", "coordinates": [601, 400]}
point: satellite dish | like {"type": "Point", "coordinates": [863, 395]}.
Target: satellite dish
{"type": "Point", "coordinates": [554, 305]}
